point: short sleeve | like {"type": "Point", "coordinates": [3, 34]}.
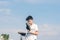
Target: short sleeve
{"type": "Point", "coordinates": [36, 28]}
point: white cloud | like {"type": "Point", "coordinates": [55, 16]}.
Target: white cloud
{"type": "Point", "coordinates": [9, 24]}
{"type": "Point", "coordinates": [5, 11]}
{"type": "Point", "coordinates": [18, 0]}
{"type": "Point", "coordinates": [10, 30]}
{"type": "Point", "coordinates": [32, 1]}
{"type": "Point", "coordinates": [39, 1]}
{"type": "Point", "coordinates": [4, 3]}
{"type": "Point", "coordinates": [45, 29]}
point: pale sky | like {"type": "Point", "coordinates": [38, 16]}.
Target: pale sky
{"type": "Point", "coordinates": [46, 15]}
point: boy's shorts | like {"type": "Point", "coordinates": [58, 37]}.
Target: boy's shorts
{"type": "Point", "coordinates": [30, 38]}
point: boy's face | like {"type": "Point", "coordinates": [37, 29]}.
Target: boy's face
{"type": "Point", "coordinates": [30, 21]}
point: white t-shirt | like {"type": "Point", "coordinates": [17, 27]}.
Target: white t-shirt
{"type": "Point", "coordinates": [33, 28]}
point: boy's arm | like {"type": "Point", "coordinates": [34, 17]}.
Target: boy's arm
{"type": "Point", "coordinates": [34, 33]}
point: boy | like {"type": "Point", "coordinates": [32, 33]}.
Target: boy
{"type": "Point", "coordinates": [32, 29]}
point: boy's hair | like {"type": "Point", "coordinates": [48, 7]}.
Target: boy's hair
{"type": "Point", "coordinates": [29, 17]}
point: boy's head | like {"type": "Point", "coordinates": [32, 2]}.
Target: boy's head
{"type": "Point", "coordinates": [29, 19]}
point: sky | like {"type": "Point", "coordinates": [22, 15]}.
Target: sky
{"type": "Point", "coordinates": [46, 15]}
